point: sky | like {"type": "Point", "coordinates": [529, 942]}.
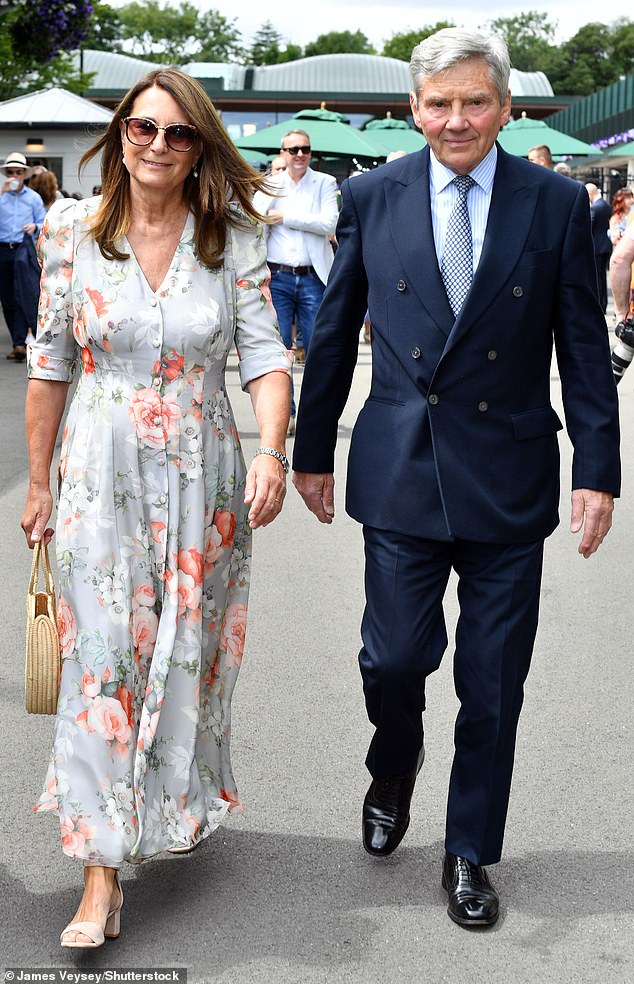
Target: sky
{"type": "Point", "coordinates": [379, 21]}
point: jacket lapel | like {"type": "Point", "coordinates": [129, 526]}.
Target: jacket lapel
{"type": "Point", "coordinates": [511, 211]}
{"type": "Point", "coordinates": [408, 208]}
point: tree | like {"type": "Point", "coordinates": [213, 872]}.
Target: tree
{"type": "Point", "coordinates": [529, 38]}
{"type": "Point", "coordinates": [105, 29]}
{"type": "Point", "coordinates": [401, 45]}
{"type": "Point", "coordinates": [587, 63]}
{"type": "Point", "coordinates": [35, 36]}
{"type": "Point", "coordinates": [340, 42]}
{"type": "Point", "coordinates": [158, 32]}
{"type": "Point", "coordinates": [623, 46]}
{"type": "Point", "coordinates": [268, 47]}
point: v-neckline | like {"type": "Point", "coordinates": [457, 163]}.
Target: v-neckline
{"type": "Point", "coordinates": [186, 227]}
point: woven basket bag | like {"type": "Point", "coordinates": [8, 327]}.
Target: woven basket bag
{"type": "Point", "coordinates": [41, 679]}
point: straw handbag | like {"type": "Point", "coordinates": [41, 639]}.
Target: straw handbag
{"type": "Point", "coordinates": [41, 682]}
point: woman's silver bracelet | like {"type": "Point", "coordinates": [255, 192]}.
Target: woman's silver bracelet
{"type": "Point", "coordinates": [283, 460]}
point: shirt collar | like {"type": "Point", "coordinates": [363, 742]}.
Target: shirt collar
{"type": "Point", "coordinates": [483, 174]}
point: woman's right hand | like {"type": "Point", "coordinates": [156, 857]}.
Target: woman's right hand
{"type": "Point", "coordinates": [37, 512]}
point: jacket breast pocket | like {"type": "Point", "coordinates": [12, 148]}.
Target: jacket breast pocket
{"type": "Point", "coordinates": [540, 422]}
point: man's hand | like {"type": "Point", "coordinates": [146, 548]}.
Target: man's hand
{"type": "Point", "coordinates": [597, 509]}
{"type": "Point", "coordinates": [318, 492]}
{"type": "Point", "coordinates": [29, 228]}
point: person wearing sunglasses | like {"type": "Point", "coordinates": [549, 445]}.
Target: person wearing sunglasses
{"type": "Point", "coordinates": [21, 214]}
{"type": "Point", "coordinates": [146, 288]}
{"type": "Point", "coordinates": [302, 212]}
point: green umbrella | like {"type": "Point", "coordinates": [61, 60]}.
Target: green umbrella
{"type": "Point", "coordinates": [389, 134]}
{"type": "Point", "coordinates": [621, 150]}
{"type": "Point", "coordinates": [519, 136]}
{"type": "Point", "coordinates": [328, 135]}
{"type": "Point", "coordinates": [253, 157]}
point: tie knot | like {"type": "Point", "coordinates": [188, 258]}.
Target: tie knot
{"type": "Point", "coordinates": [463, 182]}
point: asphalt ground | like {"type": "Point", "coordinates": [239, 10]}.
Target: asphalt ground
{"type": "Point", "coordinates": [285, 893]}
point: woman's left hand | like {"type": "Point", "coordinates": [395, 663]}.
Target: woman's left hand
{"type": "Point", "coordinates": [265, 490]}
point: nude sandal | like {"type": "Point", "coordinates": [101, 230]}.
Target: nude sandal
{"type": "Point", "coordinates": [93, 930]}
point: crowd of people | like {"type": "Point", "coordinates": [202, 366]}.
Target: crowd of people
{"type": "Point", "coordinates": [453, 464]}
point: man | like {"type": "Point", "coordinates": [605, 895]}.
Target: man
{"type": "Point", "coordinates": [21, 213]}
{"type": "Point", "coordinates": [303, 213]}
{"type": "Point", "coordinates": [454, 461]}
{"type": "Point", "coordinates": [278, 165]}
{"type": "Point", "coordinates": [541, 155]}
{"type": "Point", "coordinates": [600, 213]}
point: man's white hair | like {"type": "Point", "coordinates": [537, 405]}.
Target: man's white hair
{"type": "Point", "coordinates": [446, 48]}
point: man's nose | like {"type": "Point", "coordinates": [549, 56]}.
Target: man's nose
{"type": "Point", "coordinates": [457, 119]}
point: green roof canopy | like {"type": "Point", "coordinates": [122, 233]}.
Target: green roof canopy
{"type": "Point", "coordinates": [519, 136]}
{"type": "Point", "coordinates": [328, 136]}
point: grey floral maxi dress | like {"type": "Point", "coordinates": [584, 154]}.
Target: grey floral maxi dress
{"type": "Point", "coordinates": [153, 544]}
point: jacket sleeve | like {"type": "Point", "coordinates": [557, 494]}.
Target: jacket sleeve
{"type": "Point", "coordinates": [333, 348]}
{"type": "Point", "coordinates": [54, 354]}
{"type": "Point", "coordinates": [583, 356]}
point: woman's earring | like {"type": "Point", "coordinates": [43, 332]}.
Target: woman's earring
{"type": "Point", "coordinates": [195, 171]}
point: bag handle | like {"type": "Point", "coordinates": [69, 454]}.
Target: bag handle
{"type": "Point", "coordinates": [41, 556]}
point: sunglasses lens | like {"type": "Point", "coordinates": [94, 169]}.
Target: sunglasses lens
{"type": "Point", "coordinates": [140, 132]}
{"type": "Point", "coordinates": [296, 150]}
{"type": "Point", "coordinates": [179, 136]}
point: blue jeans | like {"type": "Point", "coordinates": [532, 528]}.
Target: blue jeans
{"type": "Point", "coordinates": [296, 299]}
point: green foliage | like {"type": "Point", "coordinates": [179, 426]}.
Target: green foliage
{"type": "Point", "coordinates": [105, 29]}
{"type": "Point", "coordinates": [401, 45]}
{"type": "Point", "coordinates": [178, 34]}
{"type": "Point", "coordinates": [529, 37]}
{"type": "Point", "coordinates": [268, 47]}
{"type": "Point", "coordinates": [23, 72]}
{"type": "Point", "coordinates": [340, 42]}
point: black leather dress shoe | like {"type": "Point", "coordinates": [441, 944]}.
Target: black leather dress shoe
{"type": "Point", "coordinates": [386, 811]}
{"type": "Point", "coordinates": [472, 899]}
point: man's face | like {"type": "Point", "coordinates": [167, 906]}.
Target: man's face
{"type": "Point", "coordinates": [296, 163]}
{"type": "Point", "coordinates": [278, 165]}
{"type": "Point", "coordinates": [460, 114]}
{"type": "Point", "coordinates": [535, 157]}
{"type": "Point", "coordinates": [15, 173]}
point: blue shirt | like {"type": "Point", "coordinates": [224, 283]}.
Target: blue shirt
{"type": "Point", "coordinates": [443, 195]}
{"type": "Point", "coordinates": [17, 209]}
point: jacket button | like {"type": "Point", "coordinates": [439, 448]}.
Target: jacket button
{"type": "Point", "coordinates": [483, 406]}
{"type": "Point", "coordinates": [401, 285]}
{"type": "Point", "coordinates": [415, 352]}
{"type": "Point", "coordinates": [492, 355]}
{"type": "Point", "coordinates": [518, 291]}
{"type": "Point", "coordinates": [433, 399]}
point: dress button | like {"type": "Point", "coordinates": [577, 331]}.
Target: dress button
{"type": "Point", "coordinates": [157, 382]}
{"type": "Point", "coordinates": [401, 285]}
{"type": "Point", "coordinates": [161, 462]}
{"type": "Point", "coordinates": [483, 406]}
{"type": "Point", "coordinates": [492, 355]}
{"type": "Point", "coordinates": [415, 352]}
{"type": "Point", "coordinates": [162, 499]}
{"type": "Point", "coordinates": [153, 302]}
{"type": "Point", "coordinates": [433, 399]}
{"type": "Point", "coordinates": [518, 291]}
{"type": "Point", "coordinates": [158, 421]}
{"type": "Point", "coordinates": [156, 343]}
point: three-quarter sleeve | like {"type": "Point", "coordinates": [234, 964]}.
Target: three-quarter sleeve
{"type": "Point", "coordinates": [257, 336]}
{"type": "Point", "coordinates": [54, 354]}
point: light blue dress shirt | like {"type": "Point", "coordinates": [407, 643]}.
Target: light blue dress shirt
{"type": "Point", "coordinates": [17, 209]}
{"type": "Point", "coordinates": [443, 196]}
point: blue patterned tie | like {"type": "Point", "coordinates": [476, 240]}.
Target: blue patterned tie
{"type": "Point", "coordinates": [457, 261]}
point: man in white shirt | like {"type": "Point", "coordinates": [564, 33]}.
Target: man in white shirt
{"type": "Point", "coordinates": [304, 214]}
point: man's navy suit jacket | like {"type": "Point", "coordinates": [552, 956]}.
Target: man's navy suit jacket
{"type": "Point", "coordinates": [458, 438]}
{"type": "Point", "coordinates": [600, 213]}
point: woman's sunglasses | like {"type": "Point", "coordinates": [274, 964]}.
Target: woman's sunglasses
{"type": "Point", "coordinates": [178, 136]}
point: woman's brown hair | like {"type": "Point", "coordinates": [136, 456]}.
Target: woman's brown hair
{"type": "Point", "coordinates": [223, 175]}
{"type": "Point", "coordinates": [622, 201]}
{"type": "Point", "coordinates": [45, 184]}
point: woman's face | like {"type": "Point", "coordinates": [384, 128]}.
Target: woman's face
{"type": "Point", "coordinates": [156, 165]}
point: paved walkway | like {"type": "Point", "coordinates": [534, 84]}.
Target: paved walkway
{"type": "Point", "coordinates": [285, 894]}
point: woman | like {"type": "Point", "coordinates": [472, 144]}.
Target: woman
{"type": "Point", "coordinates": [146, 288]}
{"type": "Point", "coordinates": [45, 183]}
{"type": "Point", "coordinates": [621, 207]}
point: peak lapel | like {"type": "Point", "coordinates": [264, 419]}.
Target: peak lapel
{"type": "Point", "coordinates": [511, 211]}
{"type": "Point", "coordinates": [409, 214]}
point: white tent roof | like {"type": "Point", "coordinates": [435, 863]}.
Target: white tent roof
{"type": "Point", "coordinates": [51, 107]}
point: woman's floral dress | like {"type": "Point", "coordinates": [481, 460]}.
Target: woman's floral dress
{"type": "Point", "coordinates": [153, 544]}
